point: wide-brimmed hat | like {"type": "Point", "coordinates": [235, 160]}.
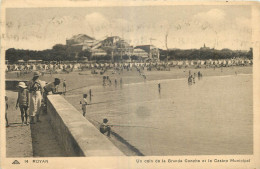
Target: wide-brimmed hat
{"type": "Point", "coordinates": [36, 74]}
{"type": "Point", "coordinates": [22, 85]}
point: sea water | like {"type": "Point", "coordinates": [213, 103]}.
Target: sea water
{"type": "Point", "coordinates": [214, 116]}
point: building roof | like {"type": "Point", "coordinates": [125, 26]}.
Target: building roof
{"type": "Point", "coordinates": [146, 48]}
{"type": "Point", "coordinates": [139, 50]}
{"type": "Point", "coordinates": [98, 50]}
{"type": "Point", "coordinates": [81, 36]}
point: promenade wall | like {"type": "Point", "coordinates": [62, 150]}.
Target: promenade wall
{"type": "Point", "coordinates": [11, 84]}
{"type": "Point", "coordinates": [75, 133]}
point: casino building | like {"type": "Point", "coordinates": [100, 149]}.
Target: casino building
{"type": "Point", "coordinates": [113, 45]}
{"type": "Point", "coordinates": [117, 46]}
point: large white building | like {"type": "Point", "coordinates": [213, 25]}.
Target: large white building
{"type": "Point", "coordinates": [140, 53]}
{"type": "Point", "coordinates": [113, 45]}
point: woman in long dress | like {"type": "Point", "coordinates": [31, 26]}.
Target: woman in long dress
{"type": "Point", "coordinates": [35, 92]}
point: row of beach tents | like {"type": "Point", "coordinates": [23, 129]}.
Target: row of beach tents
{"type": "Point", "coordinates": [79, 66]}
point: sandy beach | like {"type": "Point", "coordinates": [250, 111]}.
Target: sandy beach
{"type": "Point", "coordinates": [75, 80]}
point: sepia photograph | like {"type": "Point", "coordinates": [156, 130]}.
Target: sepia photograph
{"type": "Point", "coordinates": [130, 80]}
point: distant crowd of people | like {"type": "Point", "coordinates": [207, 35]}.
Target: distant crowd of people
{"type": "Point", "coordinates": [108, 82]}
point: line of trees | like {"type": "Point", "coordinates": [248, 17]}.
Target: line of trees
{"type": "Point", "coordinates": [61, 52]}
{"type": "Point", "coordinates": [203, 54]}
{"type": "Point", "coordinates": [57, 53]}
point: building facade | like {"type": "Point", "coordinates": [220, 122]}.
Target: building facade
{"type": "Point", "coordinates": [140, 53]}
{"type": "Point", "coordinates": [153, 52]}
{"type": "Point", "coordinates": [113, 45]}
{"type": "Point", "coordinates": [117, 46]}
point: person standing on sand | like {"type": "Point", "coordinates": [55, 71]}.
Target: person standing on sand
{"type": "Point", "coordinates": [121, 81]}
{"type": "Point", "coordinates": [35, 95]}
{"type": "Point", "coordinates": [104, 80]}
{"type": "Point", "coordinates": [115, 82]}
{"type": "Point", "coordinates": [23, 101]}
{"type": "Point", "coordinates": [6, 108]}
{"type": "Point", "coordinates": [84, 104]}
{"type": "Point", "coordinates": [199, 75]}
{"type": "Point", "coordinates": [190, 78]}
{"type": "Point", "coordinates": [159, 87]}
{"type": "Point", "coordinates": [105, 128]}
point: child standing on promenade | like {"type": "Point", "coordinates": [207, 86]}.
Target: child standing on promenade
{"type": "Point", "coordinates": [84, 104]}
{"type": "Point", "coordinates": [23, 101]}
{"type": "Point", "coordinates": [6, 108]}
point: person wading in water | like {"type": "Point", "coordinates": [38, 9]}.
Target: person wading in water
{"type": "Point", "coordinates": [64, 86]}
{"type": "Point", "coordinates": [84, 104]}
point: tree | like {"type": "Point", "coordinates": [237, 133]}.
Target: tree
{"type": "Point", "coordinates": [134, 57]}
{"type": "Point", "coordinates": [11, 55]}
{"type": "Point", "coordinates": [59, 47]}
{"type": "Point", "coordinates": [84, 53]}
{"type": "Point", "coordinates": [125, 57]}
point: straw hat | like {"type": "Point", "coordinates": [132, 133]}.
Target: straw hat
{"type": "Point", "coordinates": [36, 74]}
{"type": "Point", "coordinates": [22, 85]}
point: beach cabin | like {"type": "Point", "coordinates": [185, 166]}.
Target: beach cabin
{"type": "Point", "coordinates": [20, 62]}
{"type": "Point", "coordinates": [31, 61]}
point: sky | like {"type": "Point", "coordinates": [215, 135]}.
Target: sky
{"type": "Point", "coordinates": [186, 27]}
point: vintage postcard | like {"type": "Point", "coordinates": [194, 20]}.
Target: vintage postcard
{"type": "Point", "coordinates": [130, 84]}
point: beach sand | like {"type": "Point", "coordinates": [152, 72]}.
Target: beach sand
{"type": "Point", "coordinates": [74, 80]}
